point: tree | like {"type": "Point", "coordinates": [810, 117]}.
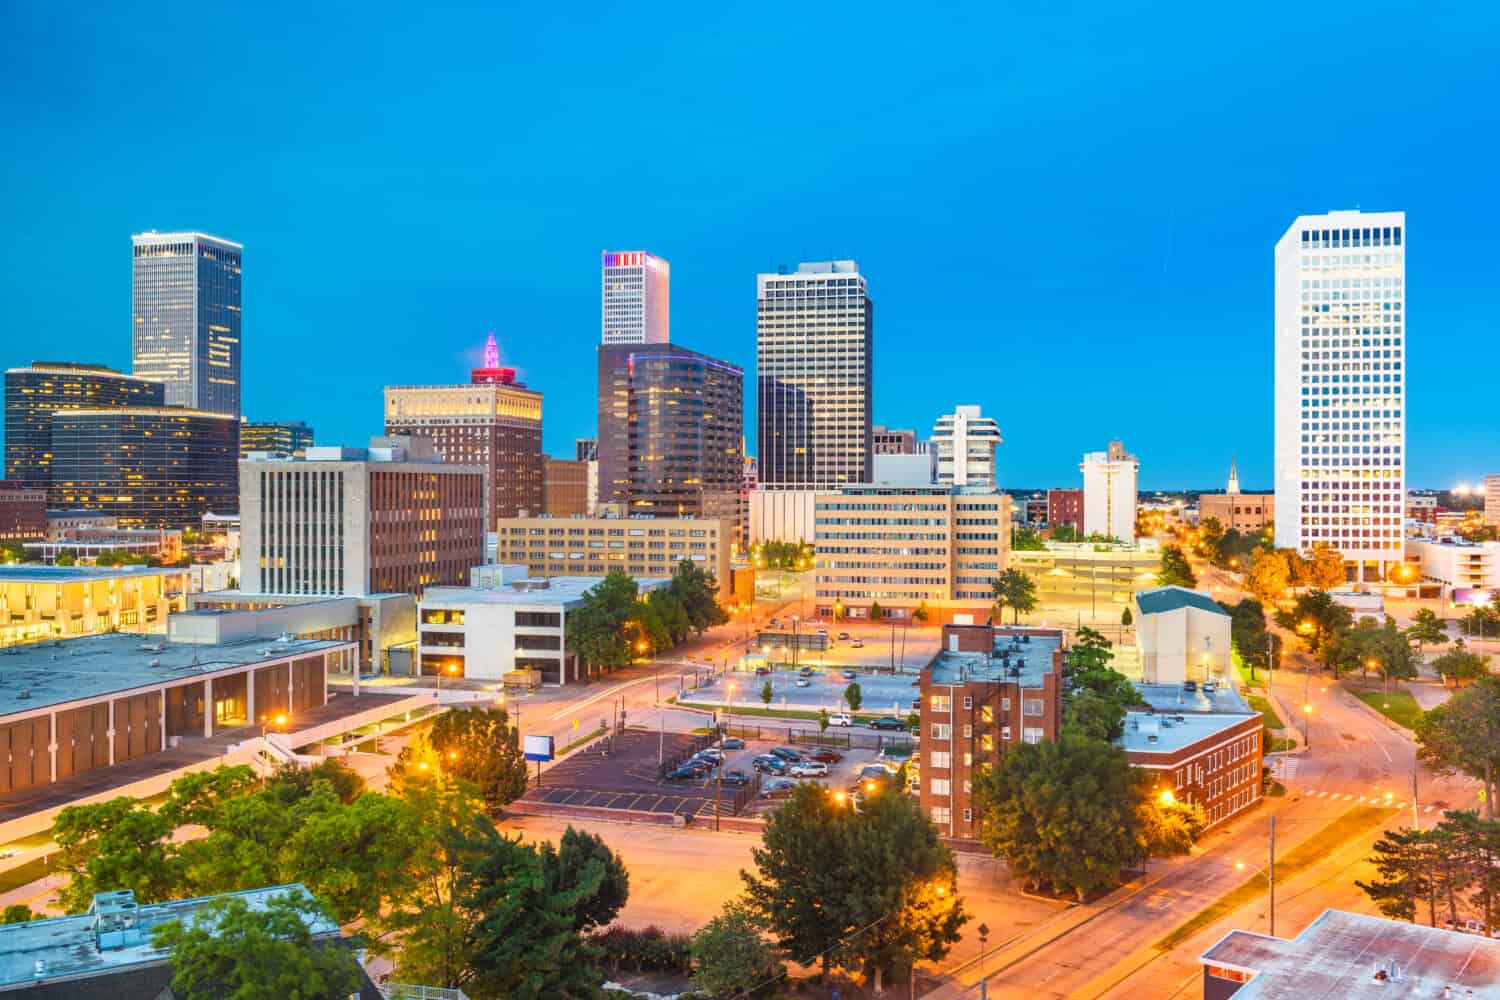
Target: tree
{"type": "Point", "coordinates": [1210, 540]}
{"type": "Point", "coordinates": [292, 782]}
{"type": "Point", "coordinates": [1269, 576]}
{"type": "Point", "coordinates": [1325, 569]}
{"type": "Point", "coordinates": [119, 844]}
{"type": "Point", "coordinates": [1371, 645]}
{"type": "Point", "coordinates": [876, 611]}
{"type": "Point", "coordinates": [921, 614]}
{"type": "Point", "coordinates": [1175, 571]}
{"type": "Point", "coordinates": [1064, 814]}
{"type": "Point", "coordinates": [1247, 633]}
{"type": "Point", "coordinates": [767, 693]}
{"type": "Point", "coordinates": [854, 696]}
{"type": "Point", "coordinates": [1427, 629]}
{"type": "Point", "coordinates": [1095, 715]}
{"type": "Point", "coordinates": [1090, 651]}
{"type": "Point", "coordinates": [1015, 590]}
{"type": "Point", "coordinates": [1481, 622]}
{"type": "Point", "coordinates": [482, 747]}
{"type": "Point", "coordinates": [1126, 618]}
{"type": "Point", "coordinates": [194, 799]}
{"type": "Point", "coordinates": [670, 618]}
{"type": "Point", "coordinates": [732, 959]}
{"type": "Point", "coordinates": [65, 559]}
{"type": "Point", "coordinates": [233, 952]}
{"type": "Point", "coordinates": [823, 721]}
{"type": "Point", "coordinates": [351, 856]}
{"type": "Point", "coordinates": [901, 887]}
{"type": "Point", "coordinates": [1459, 665]}
{"type": "Point", "coordinates": [1169, 826]}
{"type": "Point", "coordinates": [597, 628]}
{"type": "Point", "coordinates": [1317, 619]}
{"type": "Point", "coordinates": [18, 913]}
{"type": "Point", "coordinates": [1024, 539]}
{"type": "Point", "coordinates": [1463, 735]}
{"type": "Point", "coordinates": [583, 860]}
{"type": "Point", "coordinates": [1066, 533]}
{"type": "Point", "coordinates": [697, 591]}
{"type": "Point", "coordinates": [1401, 860]}
{"type": "Point", "coordinates": [798, 889]}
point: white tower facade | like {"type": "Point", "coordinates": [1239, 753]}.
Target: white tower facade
{"type": "Point", "coordinates": [966, 443]}
{"type": "Point", "coordinates": [1341, 387]}
{"type": "Point", "coordinates": [1109, 492]}
{"type": "Point", "coordinates": [635, 292]}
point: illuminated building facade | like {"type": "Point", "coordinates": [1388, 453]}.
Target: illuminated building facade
{"type": "Point", "coordinates": [33, 394]}
{"type": "Point", "coordinates": [288, 439]}
{"type": "Point", "coordinates": [671, 425]}
{"type": "Point", "coordinates": [58, 602]}
{"type": "Point", "coordinates": [1109, 492]}
{"type": "Point", "coordinates": [966, 443]}
{"type": "Point", "coordinates": [639, 547]}
{"type": "Point", "coordinates": [23, 511]}
{"type": "Point", "coordinates": [1341, 387]}
{"type": "Point", "coordinates": [814, 365]}
{"type": "Point", "coordinates": [149, 467]}
{"type": "Point", "coordinates": [388, 519]}
{"type": "Point", "coordinates": [493, 422]}
{"type": "Point", "coordinates": [635, 298]}
{"type": "Point", "coordinates": [565, 487]}
{"type": "Point", "coordinates": [186, 297]}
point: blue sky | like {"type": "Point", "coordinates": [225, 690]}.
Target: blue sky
{"type": "Point", "coordinates": [1066, 212]}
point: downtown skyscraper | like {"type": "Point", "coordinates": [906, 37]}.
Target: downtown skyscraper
{"type": "Point", "coordinates": [635, 298]}
{"type": "Point", "coordinates": [1341, 387]}
{"type": "Point", "coordinates": [814, 367]}
{"type": "Point", "coordinates": [186, 318]}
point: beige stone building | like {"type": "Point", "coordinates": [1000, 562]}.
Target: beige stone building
{"type": "Point", "coordinates": [56, 602]}
{"type": "Point", "coordinates": [595, 546]}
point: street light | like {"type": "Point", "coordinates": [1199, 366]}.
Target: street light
{"type": "Point", "coordinates": [1306, 720]}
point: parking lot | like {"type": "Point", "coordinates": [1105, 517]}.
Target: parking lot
{"type": "Point", "coordinates": [881, 694]}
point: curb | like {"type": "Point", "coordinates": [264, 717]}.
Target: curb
{"type": "Point", "coordinates": [1391, 724]}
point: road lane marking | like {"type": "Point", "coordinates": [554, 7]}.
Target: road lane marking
{"type": "Point", "coordinates": [578, 706]}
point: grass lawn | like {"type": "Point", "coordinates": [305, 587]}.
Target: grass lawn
{"type": "Point", "coordinates": [1243, 671]}
{"type": "Point", "coordinates": [1404, 709]}
{"type": "Point", "coordinates": [1313, 849]}
{"type": "Point", "coordinates": [1268, 714]}
{"type": "Point", "coordinates": [582, 741]}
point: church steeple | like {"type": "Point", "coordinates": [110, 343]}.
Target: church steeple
{"type": "Point", "coordinates": [1234, 478]}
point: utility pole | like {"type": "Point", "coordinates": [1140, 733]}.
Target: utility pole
{"type": "Point", "coordinates": [1416, 816]}
{"type": "Point", "coordinates": [1271, 875]}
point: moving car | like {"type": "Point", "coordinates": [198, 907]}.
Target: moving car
{"type": "Point", "coordinates": [874, 772]}
{"type": "Point", "coordinates": [849, 675]}
{"type": "Point", "coordinates": [787, 754]}
{"type": "Point", "coordinates": [766, 764]}
{"type": "Point", "coordinates": [805, 672]}
{"type": "Point", "coordinates": [762, 671]}
{"type": "Point", "coordinates": [888, 722]}
{"type": "Point", "coordinates": [804, 682]}
{"type": "Point", "coordinates": [856, 644]}
{"type": "Point", "coordinates": [843, 636]}
{"type": "Point", "coordinates": [731, 743]}
{"type": "Point", "coordinates": [810, 769]}
{"type": "Point", "coordinates": [777, 788]}
{"type": "Point", "coordinates": [840, 719]}
{"type": "Point", "coordinates": [1190, 685]}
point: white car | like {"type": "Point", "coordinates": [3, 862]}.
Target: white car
{"type": "Point", "coordinates": [809, 769]}
{"type": "Point", "coordinates": [840, 719]}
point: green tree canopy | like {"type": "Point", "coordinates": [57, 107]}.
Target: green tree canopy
{"type": "Point", "coordinates": [1095, 715]}
{"type": "Point", "coordinates": [1427, 629]}
{"type": "Point", "coordinates": [1016, 590]}
{"type": "Point", "coordinates": [1463, 735]}
{"type": "Point", "coordinates": [732, 959]}
{"type": "Point", "coordinates": [1175, 571]}
{"type": "Point", "coordinates": [697, 591]}
{"type": "Point", "coordinates": [1318, 620]}
{"type": "Point", "coordinates": [853, 696]}
{"type": "Point", "coordinates": [481, 746]}
{"type": "Point", "coordinates": [119, 844]}
{"type": "Point", "coordinates": [232, 952]}
{"type": "Point", "coordinates": [1459, 665]}
{"type": "Point", "coordinates": [1248, 634]}
{"type": "Point", "coordinates": [1024, 539]}
{"type": "Point", "coordinates": [584, 860]}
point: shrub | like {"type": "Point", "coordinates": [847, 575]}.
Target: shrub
{"type": "Point", "coordinates": [648, 949]}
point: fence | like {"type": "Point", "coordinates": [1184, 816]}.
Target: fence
{"type": "Point", "coordinates": [679, 757]}
{"type": "Point", "coordinates": [847, 739]}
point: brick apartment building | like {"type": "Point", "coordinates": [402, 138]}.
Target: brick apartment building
{"type": "Point", "coordinates": [23, 511]}
{"type": "Point", "coordinates": [1065, 507]}
{"type": "Point", "coordinates": [988, 689]}
{"type": "Point", "coordinates": [1205, 750]}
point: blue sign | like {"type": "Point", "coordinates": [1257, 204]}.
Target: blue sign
{"type": "Point", "coordinates": [538, 748]}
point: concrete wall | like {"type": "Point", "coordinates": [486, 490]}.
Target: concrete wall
{"type": "Point", "coordinates": [781, 515]}
{"type": "Point", "coordinates": [1184, 644]}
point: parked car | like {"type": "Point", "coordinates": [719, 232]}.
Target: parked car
{"type": "Point", "coordinates": [1209, 687]}
{"type": "Point", "coordinates": [849, 675]}
{"type": "Point", "coordinates": [805, 672]}
{"type": "Point", "coordinates": [777, 788]}
{"type": "Point", "coordinates": [827, 755]}
{"type": "Point", "coordinates": [856, 644]}
{"type": "Point", "coordinates": [736, 778]}
{"type": "Point", "coordinates": [840, 719]}
{"type": "Point", "coordinates": [711, 756]}
{"type": "Point", "coordinates": [810, 769]}
{"type": "Point", "coordinates": [685, 773]}
{"type": "Point", "coordinates": [766, 764]}
{"type": "Point", "coordinates": [843, 636]}
{"type": "Point", "coordinates": [874, 771]}
{"type": "Point", "coordinates": [787, 754]}
{"type": "Point", "coordinates": [1190, 685]}
{"type": "Point", "coordinates": [804, 682]}
{"type": "Point", "coordinates": [731, 743]}
{"type": "Point", "coordinates": [762, 671]}
{"type": "Point", "coordinates": [888, 722]}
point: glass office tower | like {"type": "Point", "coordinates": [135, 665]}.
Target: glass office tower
{"type": "Point", "coordinates": [33, 394]}
{"type": "Point", "coordinates": [186, 294]}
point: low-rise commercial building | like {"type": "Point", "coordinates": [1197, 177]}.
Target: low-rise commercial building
{"type": "Point", "coordinates": [1065, 507]}
{"type": "Point", "coordinates": [23, 511]}
{"type": "Point", "coordinates": [565, 487]}
{"type": "Point", "coordinates": [283, 439]}
{"type": "Point", "coordinates": [1211, 757]}
{"type": "Point", "coordinates": [1090, 574]}
{"type": "Point", "coordinates": [377, 624]}
{"type": "Point", "coordinates": [640, 547]}
{"type": "Point", "coordinates": [1465, 572]}
{"type": "Point", "coordinates": [1246, 513]}
{"type": "Point", "coordinates": [1353, 955]}
{"type": "Point", "coordinates": [1181, 635]}
{"type": "Point", "coordinates": [162, 544]}
{"type": "Point", "coordinates": [904, 548]}
{"type": "Point", "coordinates": [504, 623]}
{"type": "Point", "coordinates": [97, 701]}
{"type": "Point", "coordinates": [57, 602]}
{"type": "Point", "coordinates": [988, 689]}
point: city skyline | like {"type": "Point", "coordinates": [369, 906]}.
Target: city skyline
{"type": "Point", "coordinates": [1014, 205]}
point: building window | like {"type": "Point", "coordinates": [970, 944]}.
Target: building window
{"type": "Point", "coordinates": [1031, 734]}
{"type": "Point", "coordinates": [968, 815]}
{"type": "Point", "coordinates": [940, 760]}
{"type": "Point", "coordinates": [941, 815]}
{"type": "Point", "coordinates": [942, 731]}
{"type": "Point", "coordinates": [1031, 706]}
{"type": "Point", "coordinates": [941, 786]}
{"type": "Point", "coordinates": [968, 702]}
{"type": "Point", "coordinates": [940, 703]}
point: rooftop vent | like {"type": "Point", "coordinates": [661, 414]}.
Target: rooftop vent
{"type": "Point", "coordinates": [24, 694]}
{"type": "Point", "coordinates": [156, 663]}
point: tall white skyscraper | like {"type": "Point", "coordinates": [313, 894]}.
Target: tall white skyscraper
{"type": "Point", "coordinates": [635, 289]}
{"type": "Point", "coordinates": [814, 357]}
{"type": "Point", "coordinates": [1341, 387]}
{"type": "Point", "coordinates": [186, 318]}
{"type": "Point", "coordinates": [966, 445]}
{"type": "Point", "coordinates": [1109, 492]}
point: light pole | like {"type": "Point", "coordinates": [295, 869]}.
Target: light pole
{"type": "Point", "coordinates": [1306, 723]}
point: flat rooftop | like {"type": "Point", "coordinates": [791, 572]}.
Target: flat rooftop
{"type": "Point", "coordinates": [81, 574]}
{"type": "Point", "coordinates": [65, 670]}
{"type": "Point", "coordinates": [1017, 658]}
{"type": "Point", "coordinates": [556, 590]}
{"type": "Point", "coordinates": [71, 946]}
{"type": "Point", "coordinates": [1174, 698]}
{"type": "Point", "coordinates": [1166, 732]}
{"type": "Point", "coordinates": [1339, 953]}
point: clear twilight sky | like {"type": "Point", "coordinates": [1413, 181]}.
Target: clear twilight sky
{"type": "Point", "coordinates": [1066, 214]}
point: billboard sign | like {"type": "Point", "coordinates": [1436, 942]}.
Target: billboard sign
{"type": "Point", "coordinates": [538, 748]}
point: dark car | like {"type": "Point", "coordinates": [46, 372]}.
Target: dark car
{"type": "Point", "coordinates": [732, 743]}
{"type": "Point", "coordinates": [1190, 685]}
{"type": "Point", "coordinates": [736, 778]}
{"type": "Point", "coordinates": [805, 672]}
{"type": "Point", "coordinates": [766, 764]}
{"type": "Point", "coordinates": [777, 788]}
{"type": "Point", "coordinates": [888, 722]}
{"type": "Point", "coordinates": [849, 675]}
{"type": "Point", "coordinates": [787, 754]}
{"type": "Point", "coordinates": [685, 773]}
{"type": "Point", "coordinates": [762, 671]}
{"type": "Point", "coordinates": [826, 754]}
{"type": "Point", "coordinates": [874, 772]}
{"type": "Point", "coordinates": [843, 637]}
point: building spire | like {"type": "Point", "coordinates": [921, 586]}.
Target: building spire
{"type": "Point", "coordinates": [491, 352]}
{"type": "Point", "coordinates": [1234, 478]}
